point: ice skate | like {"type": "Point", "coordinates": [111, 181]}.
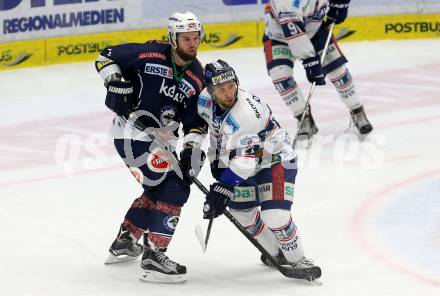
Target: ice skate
{"type": "Point", "coordinates": [308, 128]}
{"type": "Point", "coordinates": [360, 120]}
{"type": "Point", "coordinates": [158, 268]}
{"type": "Point", "coordinates": [123, 248]}
{"type": "Point", "coordinates": [306, 269]}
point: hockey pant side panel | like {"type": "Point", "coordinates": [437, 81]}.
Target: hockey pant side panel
{"type": "Point", "coordinates": [159, 206]}
{"type": "Point", "coordinates": [276, 185]}
{"type": "Point", "coordinates": [163, 222]}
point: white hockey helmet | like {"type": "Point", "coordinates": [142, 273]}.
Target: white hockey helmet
{"type": "Point", "coordinates": [183, 22]}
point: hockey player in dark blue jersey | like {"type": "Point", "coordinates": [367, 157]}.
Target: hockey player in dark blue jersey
{"type": "Point", "coordinates": [148, 87]}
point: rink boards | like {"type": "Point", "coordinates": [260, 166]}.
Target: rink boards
{"type": "Point", "coordinates": [78, 48]}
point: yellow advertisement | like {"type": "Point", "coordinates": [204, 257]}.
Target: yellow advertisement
{"type": "Point", "coordinates": [394, 27]}
{"type": "Point", "coordinates": [87, 47]}
{"type": "Point", "coordinates": [217, 36]}
{"type": "Point", "coordinates": [232, 35]}
{"type": "Point", "coordinates": [22, 54]}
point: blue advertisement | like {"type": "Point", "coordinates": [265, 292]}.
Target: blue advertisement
{"type": "Point", "coordinates": [24, 19]}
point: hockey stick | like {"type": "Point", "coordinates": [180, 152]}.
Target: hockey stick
{"type": "Point", "coordinates": [203, 240]}
{"type": "Point", "coordinates": [312, 88]}
{"type": "Point", "coordinates": [288, 272]}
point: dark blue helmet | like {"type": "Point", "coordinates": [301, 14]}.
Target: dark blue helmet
{"type": "Point", "coordinates": [219, 72]}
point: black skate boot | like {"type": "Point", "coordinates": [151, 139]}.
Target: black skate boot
{"type": "Point", "coordinates": [158, 268]}
{"type": "Point", "coordinates": [360, 120]}
{"type": "Point", "coordinates": [308, 127]}
{"type": "Point", "coordinates": [306, 270]}
{"type": "Point", "coordinates": [279, 258]}
{"type": "Point", "coordinates": [124, 248]}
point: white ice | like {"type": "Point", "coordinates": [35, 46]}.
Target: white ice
{"type": "Point", "coordinates": [369, 212]}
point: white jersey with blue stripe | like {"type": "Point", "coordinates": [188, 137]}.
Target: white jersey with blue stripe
{"type": "Point", "coordinates": [246, 136]}
{"type": "Point", "coordinates": [295, 22]}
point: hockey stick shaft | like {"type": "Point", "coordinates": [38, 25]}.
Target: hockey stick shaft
{"type": "Point", "coordinates": [312, 88]}
{"type": "Point", "coordinates": [285, 271]}
{"type": "Point", "coordinates": [208, 231]}
{"type": "Point", "coordinates": [211, 220]}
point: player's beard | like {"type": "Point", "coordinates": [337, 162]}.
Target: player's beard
{"type": "Point", "coordinates": [185, 56]}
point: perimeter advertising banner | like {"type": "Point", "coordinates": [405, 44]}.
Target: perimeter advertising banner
{"type": "Point", "coordinates": [32, 19]}
{"type": "Point", "coordinates": [87, 47]}
{"type": "Point", "coordinates": [36, 19]}
{"type": "Point", "coordinates": [40, 32]}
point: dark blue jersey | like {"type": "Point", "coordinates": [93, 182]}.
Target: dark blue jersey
{"type": "Point", "coordinates": [163, 89]}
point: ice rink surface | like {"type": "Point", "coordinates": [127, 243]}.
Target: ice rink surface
{"type": "Point", "coordinates": [369, 212]}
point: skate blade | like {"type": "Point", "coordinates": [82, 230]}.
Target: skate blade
{"type": "Point", "coordinates": [352, 130]}
{"type": "Point", "coordinates": [315, 282]}
{"type": "Point", "coordinates": [112, 259]}
{"type": "Point", "coordinates": [151, 276]}
{"type": "Point", "coordinates": [200, 237]}
{"type": "Point", "coordinates": [304, 142]}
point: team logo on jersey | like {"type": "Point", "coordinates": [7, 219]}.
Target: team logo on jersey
{"type": "Point", "coordinates": [167, 114]}
{"type": "Point", "coordinates": [137, 173]}
{"type": "Point", "coordinates": [249, 141]}
{"type": "Point", "coordinates": [170, 222]}
{"type": "Point", "coordinates": [159, 70]}
{"type": "Point", "coordinates": [158, 162]}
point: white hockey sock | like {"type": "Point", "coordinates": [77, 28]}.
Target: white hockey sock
{"type": "Point", "coordinates": [250, 219]}
{"type": "Point", "coordinates": [285, 232]}
{"type": "Point", "coordinates": [288, 89]}
{"type": "Point", "coordinates": [294, 100]}
{"type": "Point", "coordinates": [343, 82]}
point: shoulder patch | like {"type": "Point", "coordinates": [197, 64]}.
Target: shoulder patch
{"type": "Point", "coordinates": [102, 64]}
{"type": "Point", "coordinates": [196, 79]}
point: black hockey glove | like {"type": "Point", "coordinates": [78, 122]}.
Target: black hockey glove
{"type": "Point", "coordinates": [216, 171]}
{"type": "Point", "coordinates": [338, 10]}
{"type": "Point", "coordinates": [217, 200]}
{"type": "Point", "coordinates": [191, 162]}
{"type": "Point", "coordinates": [119, 97]}
{"type": "Point", "coordinates": [313, 70]}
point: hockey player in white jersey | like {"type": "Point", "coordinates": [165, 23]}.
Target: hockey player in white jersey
{"type": "Point", "coordinates": [294, 30]}
{"type": "Point", "coordinates": [254, 163]}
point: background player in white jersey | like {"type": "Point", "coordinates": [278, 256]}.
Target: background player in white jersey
{"type": "Point", "coordinates": [251, 155]}
{"type": "Point", "coordinates": [295, 30]}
